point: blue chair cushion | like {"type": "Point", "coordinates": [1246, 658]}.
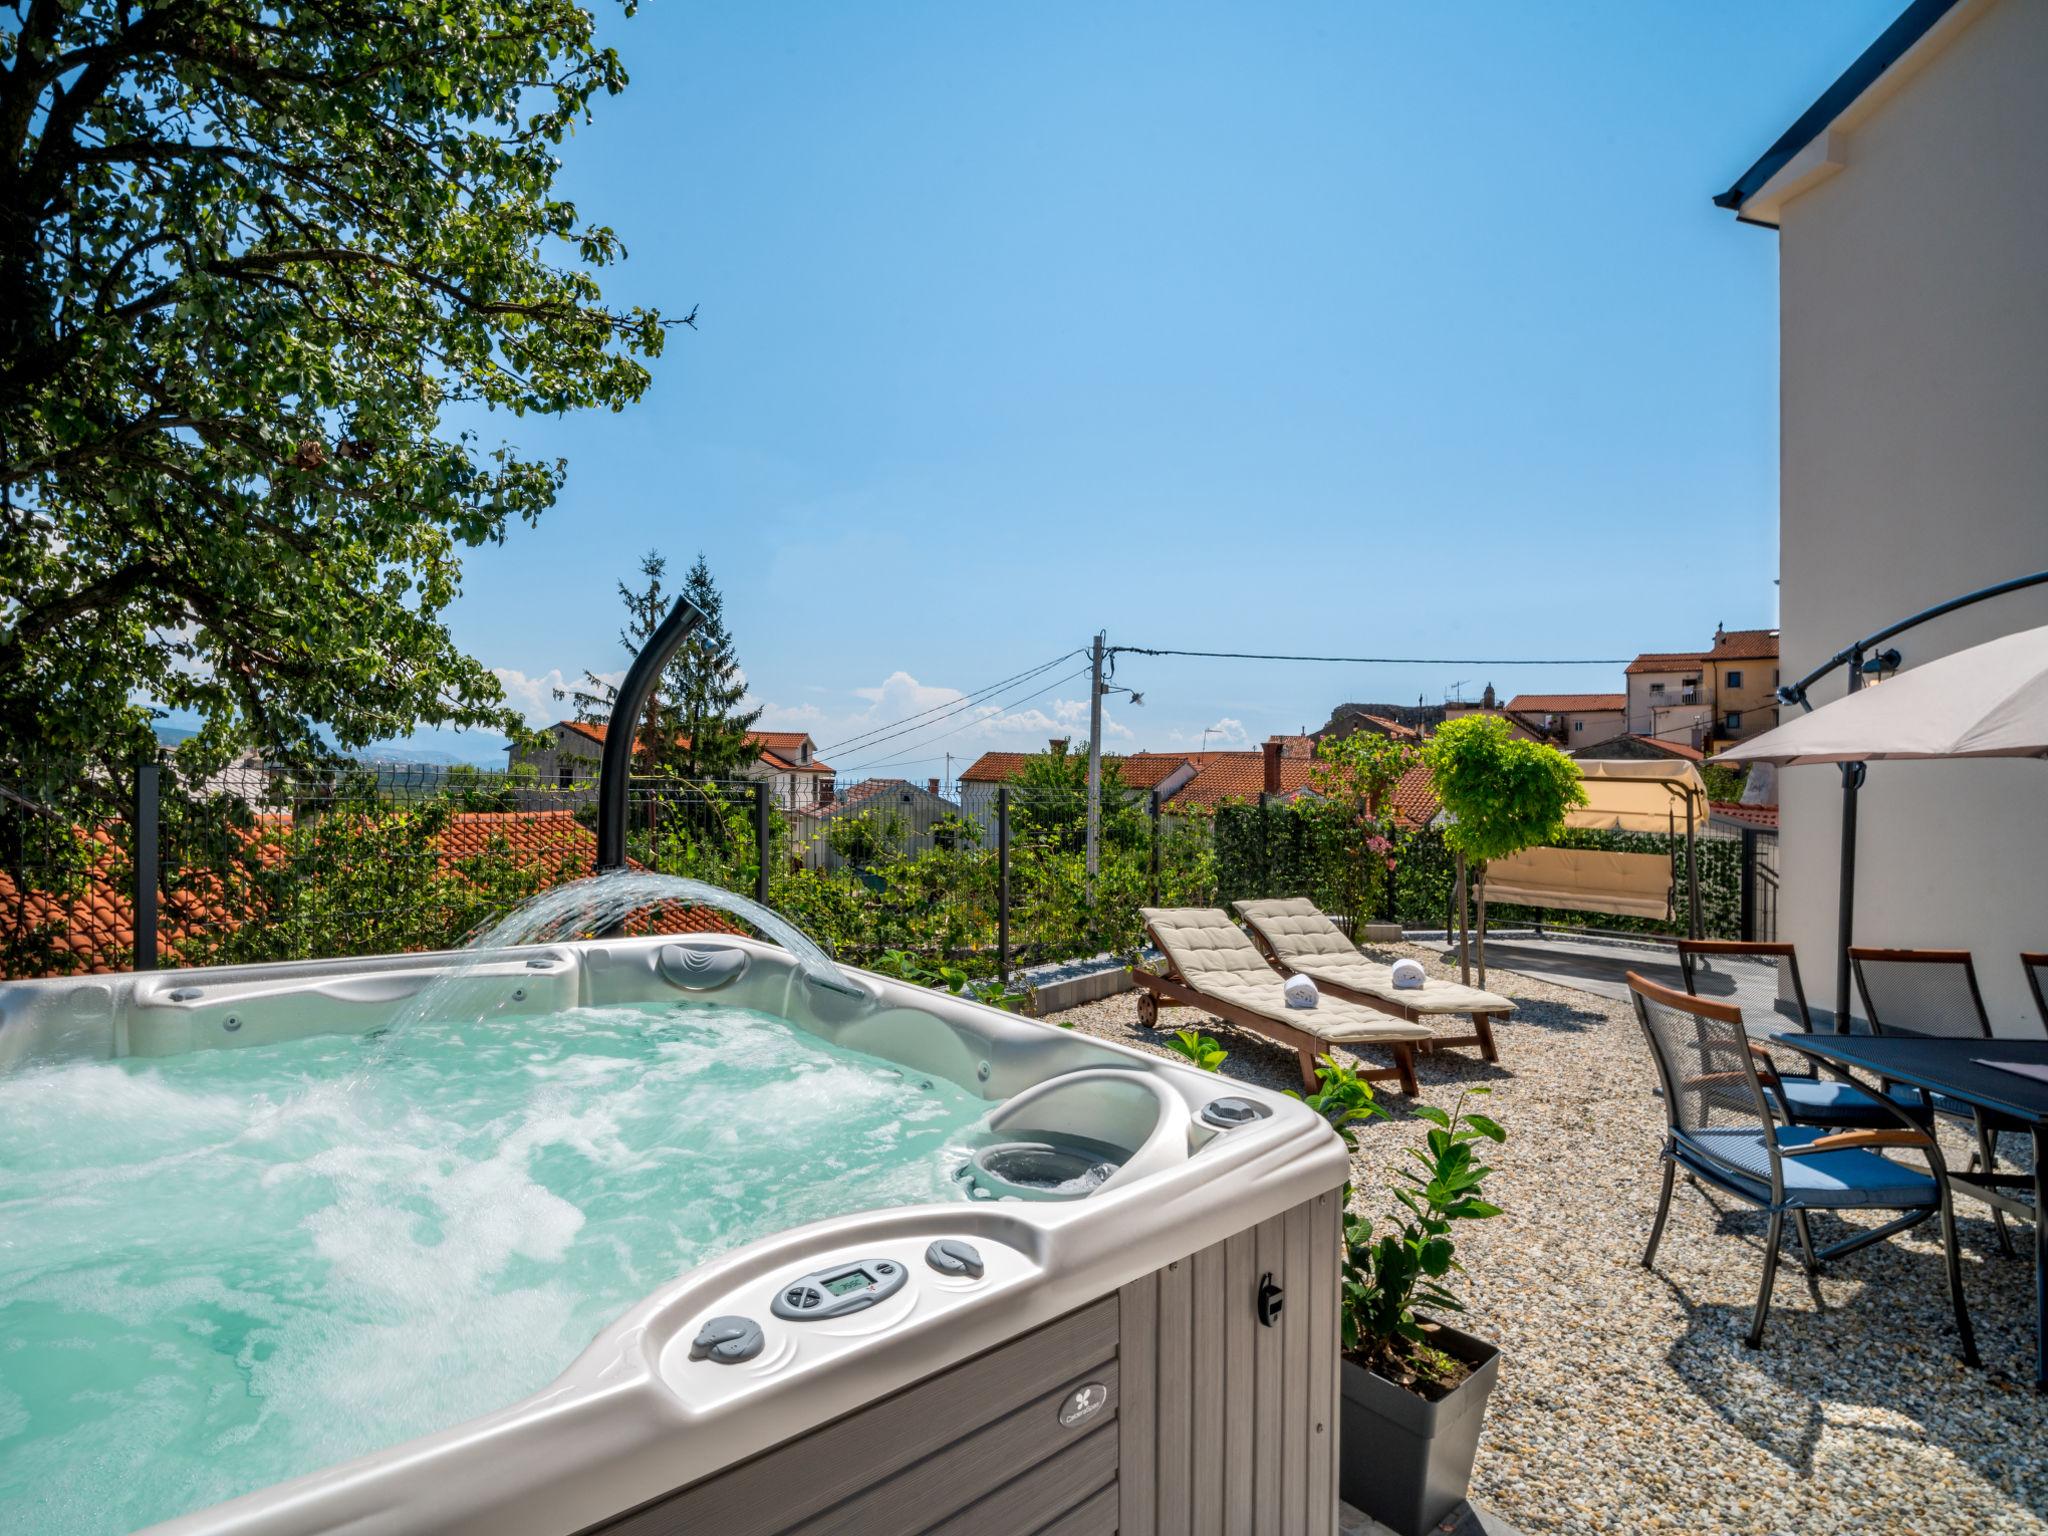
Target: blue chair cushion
{"type": "Point", "coordinates": [1738, 1161]}
{"type": "Point", "coordinates": [1831, 1102]}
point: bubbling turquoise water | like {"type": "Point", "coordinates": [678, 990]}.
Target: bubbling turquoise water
{"type": "Point", "coordinates": [227, 1268]}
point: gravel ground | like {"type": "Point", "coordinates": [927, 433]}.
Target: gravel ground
{"type": "Point", "coordinates": [1627, 1402]}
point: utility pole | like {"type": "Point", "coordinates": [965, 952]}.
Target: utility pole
{"type": "Point", "coordinates": [1094, 762]}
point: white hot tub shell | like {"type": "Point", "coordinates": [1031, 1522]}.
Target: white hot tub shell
{"type": "Point", "coordinates": [1157, 1357]}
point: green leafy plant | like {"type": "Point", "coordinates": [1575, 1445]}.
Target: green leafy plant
{"type": "Point", "coordinates": [1343, 1098]}
{"type": "Point", "coordinates": [1404, 1262]}
{"type": "Point", "coordinates": [1502, 793]}
{"type": "Point", "coordinates": [1193, 1046]}
{"type": "Point", "coordinates": [919, 972]}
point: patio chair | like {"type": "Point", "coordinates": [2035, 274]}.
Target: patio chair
{"type": "Point", "coordinates": [1800, 1097]}
{"type": "Point", "coordinates": [1302, 941]}
{"type": "Point", "coordinates": [1933, 993]}
{"type": "Point", "coordinates": [2036, 967]}
{"type": "Point", "coordinates": [1720, 1128]}
{"type": "Point", "coordinates": [1211, 965]}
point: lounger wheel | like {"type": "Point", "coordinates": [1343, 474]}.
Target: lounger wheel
{"type": "Point", "coordinates": [1148, 1011]}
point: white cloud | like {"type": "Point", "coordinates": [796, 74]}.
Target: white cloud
{"type": "Point", "coordinates": [1224, 735]}
{"type": "Point", "coordinates": [534, 696]}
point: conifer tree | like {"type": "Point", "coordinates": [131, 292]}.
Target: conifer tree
{"type": "Point", "coordinates": [693, 727]}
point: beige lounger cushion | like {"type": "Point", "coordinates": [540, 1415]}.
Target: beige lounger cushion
{"type": "Point", "coordinates": [1306, 941]}
{"type": "Point", "coordinates": [1211, 954]}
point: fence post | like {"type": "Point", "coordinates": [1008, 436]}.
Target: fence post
{"type": "Point", "coordinates": [1003, 882]}
{"type": "Point", "coordinates": [1155, 847]}
{"type": "Point", "coordinates": [148, 785]}
{"type": "Point", "coordinates": [1265, 848]}
{"type": "Point", "coordinates": [761, 841]}
{"type": "Point", "coordinates": [1747, 927]}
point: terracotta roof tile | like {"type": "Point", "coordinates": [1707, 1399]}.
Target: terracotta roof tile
{"type": "Point", "coordinates": [1139, 770]}
{"type": "Point", "coordinates": [1566, 703]}
{"type": "Point", "coordinates": [779, 749]}
{"type": "Point", "coordinates": [1672, 748]}
{"type": "Point", "coordinates": [1225, 776]}
{"type": "Point", "coordinates": [1765, 816]}
{"type": "Point", "coordinates": [1745, 645]}
{"type": "Point", "coordinates": [1667, 661]}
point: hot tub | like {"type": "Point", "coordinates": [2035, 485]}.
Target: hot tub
{"type": "Point", "coordinates": [663, 1235]}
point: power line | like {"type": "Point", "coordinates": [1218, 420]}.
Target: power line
{"type": "Point", "coordinates": [1009, 703]}
{"type": "Point", "coordinates": [880, 733]}
{"type": "Point", "coordinates": [1387, 661]}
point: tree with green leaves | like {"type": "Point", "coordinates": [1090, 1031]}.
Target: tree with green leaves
{"type": "Point", "coordinates": [1351, 817]}
{"type": "Point", "coordinates": [265, 269]}
{"type": "Point", "coordinates": [711, 688]}
{"type": "Point", "coordinates": [1051, 801]}
{"type": "Point", "coordinates": [659, 750]}
{"type": "Point", "coordinates": [1501, 793]}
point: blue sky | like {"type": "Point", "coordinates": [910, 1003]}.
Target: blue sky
{"type": "Point", "coordinates": [1362, 329]}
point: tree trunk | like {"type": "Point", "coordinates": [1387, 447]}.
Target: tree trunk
{"type": "Point", "coordinates": [1464, 952]}
{"type": "Point", "coordinates": [1482, 927]}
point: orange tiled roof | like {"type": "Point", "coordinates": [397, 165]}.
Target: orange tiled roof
{"type": "Point", "coordinates": [1224, 776]}
{"type": "Point", "coordinates": [1667, 661]}
{"type": "Point", "coordinates": [779, 749]}
{"type": "Point", "coordinates": [1566, 703]}
{"type": "Point", "coordinates": [1413, 801]}
{"type": "Point", "coordinates": [1765, 816]}
{"type": "Point", "coordinates": [1745, 645]}
{"type": "Point", "coordinates": [1674, 748]}
{"type": "Point", "coordinates": [1139, 770]}
{"type": "Point", "coordinates": [1392, 728]}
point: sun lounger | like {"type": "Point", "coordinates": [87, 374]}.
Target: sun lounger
{"type": "Point", "coordinates": [1303, 942]}
{"type": "Point", "coordinates": [1211, 965]}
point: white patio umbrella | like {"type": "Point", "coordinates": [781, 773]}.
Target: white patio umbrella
{"type": "Point", "coordinates": [1988, 701]}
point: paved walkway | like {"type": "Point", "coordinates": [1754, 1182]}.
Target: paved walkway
{"type": "Point", "coordinates": [1601, 966]}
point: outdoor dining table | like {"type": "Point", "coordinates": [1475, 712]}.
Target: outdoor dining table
{"type": "Point", "coordinates": [1963, 1070]}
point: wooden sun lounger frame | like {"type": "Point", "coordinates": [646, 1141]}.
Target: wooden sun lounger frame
{"type": "Point", "coordinates": [1158, 991]}
{"type": "Point", "coordinates": [1482, 1018]}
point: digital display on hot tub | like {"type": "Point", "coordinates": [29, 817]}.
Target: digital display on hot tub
{"type": "Point", "coordinates": [852, 1280]}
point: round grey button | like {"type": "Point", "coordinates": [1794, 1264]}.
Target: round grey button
{"type": "Point", "coordinates": [951, 1256]}
{"type": "Point", "coordinates": [727, 1341]}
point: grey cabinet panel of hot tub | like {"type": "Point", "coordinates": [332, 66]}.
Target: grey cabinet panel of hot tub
{"type": "Point", "coordinates": [1211, 1423]}
{"type": "Point", "coordinates": [1028, 1450]}
{"type": "Point", "coordinates": [844, 1464]}
{"type": "Point", "coordinates": [1228, 1427]}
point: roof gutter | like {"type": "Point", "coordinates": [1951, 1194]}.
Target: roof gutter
{"type": "Point", "coordinates": [1893, 44]}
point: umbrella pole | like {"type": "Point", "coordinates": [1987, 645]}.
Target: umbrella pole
{"type": "Point", "coordinates": [1852, 781]}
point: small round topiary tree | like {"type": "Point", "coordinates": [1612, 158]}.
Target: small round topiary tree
{"type": "Point", "coordinates": [1503, 793]}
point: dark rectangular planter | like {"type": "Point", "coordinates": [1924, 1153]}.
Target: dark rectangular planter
{"type": "Point", "coordinates": [1404, 1460]}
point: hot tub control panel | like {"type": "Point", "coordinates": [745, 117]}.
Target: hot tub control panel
{"type": "Point", "coordinates": [834, 1292]}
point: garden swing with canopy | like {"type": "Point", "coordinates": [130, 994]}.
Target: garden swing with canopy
{"type": "Point", "coordinates": [1666, 797]}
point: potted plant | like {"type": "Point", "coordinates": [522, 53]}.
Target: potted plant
{"type": "Point", "coordinates": [1414, 1387]}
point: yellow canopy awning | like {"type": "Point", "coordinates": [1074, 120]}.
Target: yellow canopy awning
{"type": "Point", "coordinates": [1639, 797]}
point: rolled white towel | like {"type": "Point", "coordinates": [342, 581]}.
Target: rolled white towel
{"type": "Point", "coordinates": [1409, 974]}
{"type": "Point", "coordinates": [1301, 992]}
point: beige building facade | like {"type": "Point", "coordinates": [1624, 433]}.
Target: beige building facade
{"type": "Point", "coordinates": [1913, 257]}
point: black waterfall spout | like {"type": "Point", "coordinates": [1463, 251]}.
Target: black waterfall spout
{"type": "Point", "coordinates": [615, 768]}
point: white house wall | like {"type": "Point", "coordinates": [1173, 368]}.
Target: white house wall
{"type": "Point", "coordinates": [1914, 400]}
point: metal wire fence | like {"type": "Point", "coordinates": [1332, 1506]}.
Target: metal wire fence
{"type": "Point", "coordinates": [258, 862]}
